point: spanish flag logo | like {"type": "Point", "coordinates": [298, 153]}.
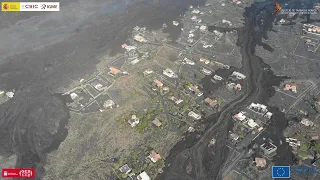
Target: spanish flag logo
{"type": "Point", "coordinates": [10, 6]}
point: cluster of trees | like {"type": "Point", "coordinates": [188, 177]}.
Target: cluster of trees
{"type": "Point", "coordinates": [146, 118]}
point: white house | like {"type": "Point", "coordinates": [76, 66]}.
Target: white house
{"type": "Point", "coordinates": [194, 115]}
{"type": "Point", "coordinates": [168, 72]}
{"type": "Point", "coordinates": [143, 176]}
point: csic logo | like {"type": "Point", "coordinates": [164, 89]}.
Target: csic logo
{"type": "Point", "coordinates": [30, 6]}
{"type": "Point", "coordinates": [5, 6]}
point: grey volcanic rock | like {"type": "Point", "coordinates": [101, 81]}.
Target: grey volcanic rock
{"type": "Point", "coordinates": [31, 124]}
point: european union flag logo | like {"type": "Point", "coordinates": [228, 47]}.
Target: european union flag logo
{"type": "Point", "coordinates": [280, 171]}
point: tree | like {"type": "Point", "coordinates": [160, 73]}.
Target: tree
{"type": "Point", "coordinates": [185, 107]}
{"type": "Point", "coordinates": [316, 146]}
{"type": "Point", "coordinates": [304, 147]}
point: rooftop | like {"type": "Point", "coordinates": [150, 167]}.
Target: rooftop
{"type": "Point", "coordinates": [154, 156]}
{"type": "Point", "coordinates": [114, 70]}
{"type": "Point", "coordinates": [157, 122]}
{"type": "Point", "coordinates": [143, 176]}
{"type": "Point", "coordinates": [125, 169]}
{"type": "Point", "coordinates": [157, 83]}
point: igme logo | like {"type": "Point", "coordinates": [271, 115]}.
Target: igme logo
{"type": "Point", "coordinates": [43, 6]}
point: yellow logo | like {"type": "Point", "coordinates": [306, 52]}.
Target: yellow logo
{"type": "Point", "coordinates": [10, 6]}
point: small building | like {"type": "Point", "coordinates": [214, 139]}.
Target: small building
{"type": "Point", "coordinates": [211, 102]}
{"type": "Point", "coordinates": [260, 162]}
{"type": "Point", "coordinates": [258, 108]}
{"type": "Point", "coordinates": [238, 86]}
{"type": "Point", "coordinates": [154, 156]}
{"type": "Point", "coordinates": [240, 116]}
{"type": "Point", "coordinates": [206, 71]}
{"type": "Point", "coordinates": [10, 94]}
{"type": "Point", "coordinates": [238, 75]}
{"type": "Point", "coordinates": [134, 121]}
{"type": "Point", "coordinates": [168, 72]}
{"type": "Point", "coordinates": [108, 104]}
{"type": "Point", "coordinates": [212, 141]}
{"type": "Point", "coordinates": [207, 45]}
{"type": "Point", "coordinates": [282, 21]}
{"type": "Point", "coordinates": [147, 72]}
{"type": "Point", "coordinates": [114, 70]}
{"type": "Point", "coordinates": [124, 45]}
{"type": "Point", "coordinates": [191, 129]}
{"type": "Point", "coordinates": [268, 148]}
{"type": "Point", "coordinates": [194, 115]}
{"type": "Point", "coordinates": [98, 87]}
{"type": "Point", "coordinates": [175, 23]}
{"type": "Point", "coordinates": [188, 61]}
{"type": "Point", "coordinates": [268, 115]}
{"type": "Point", "coordinates": [143, 176]}
{"type": "Point", "coordinates": [176, 100]}
{"type": "Point", "coordinates": [307, 122]}
{"type": "Point", "coordinates": [252, 124]}
{"type": "Point", "coordinates": [293, 142]}
{"type": "Point", "coordinates": [157, 83]}
{"type": "Point", "coordinates": [218, 78]}
{"type": "Point", "coordinates": [125, 169]}
{"type": "Point", "coordinates": [165, 89]}
{"type": "Point", "coordinates": [157, 122]}
{"type": "Point", "coordinates": [135, 61]}
{"type": "Point", "coordinates": [139, 38]}
{"type": "Point", "coordinates": [194, 89]}
{"type": "Point", "coordinates": [130, 48]}
{"type": "Point", "coordinates": [290, 86]}
{"type": "Point", "coordinates": [203, 28]}
{"type": "Point", "coordinates": [226, 22]}
{"type": "Point", "coordinates": [231, 86]}
{"type": "Point", "coordinates": [205, 61]}
{"type": "Point", "coordinates": [73, 96]}
{"type": "Point", "coordinates": [195, 11]}
{"type": "Point", "coordinates": [234, 136]}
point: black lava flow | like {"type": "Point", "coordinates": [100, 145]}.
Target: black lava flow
{"type": "Point", "coordinates": [259, 88]}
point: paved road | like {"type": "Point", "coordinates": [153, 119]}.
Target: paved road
{"type": "Point", "coordinates": [302, 95]}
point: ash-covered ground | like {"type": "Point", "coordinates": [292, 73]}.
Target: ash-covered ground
{"type": "Point", "coordinates": [42, 53]}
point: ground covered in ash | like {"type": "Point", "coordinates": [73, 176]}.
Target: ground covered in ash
{"type": "Point", "coordinates": [31, 125]}
{"type": "Point", "coordinates": [45, 52]}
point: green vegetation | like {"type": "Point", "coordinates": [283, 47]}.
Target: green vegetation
{"type": "Point", "coordinates": [160, 164]}
{"type": "Point", "coordinates": [123, 175]}
{"type": "Point", "coordinates": [187, 85]}
{"type": "Point", "coordinates": [185, 108]}
{"type": "Point", "coordinates": [304, 147]}
{"type": "Point", "coordinates": [318, 107]}
{"type": "Point", "coordinates": [91, 76]}
{"type": "Point", "coordinates": [220, 102]}
{"type": "Point", "coordinates": [118, 164]}
{"type": "Point", "coordinates": [139, 93]}
{"type": "Point", "coordinates": [316, 147]}
{"type": "Point", "coordinates": [303, 155]}
{"type": "Point", "coordinates": [146, 118]}
{"type": "Point", "coordinates": [155, 100]}
{"type": "Point", "coordinates": [134, 154]}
